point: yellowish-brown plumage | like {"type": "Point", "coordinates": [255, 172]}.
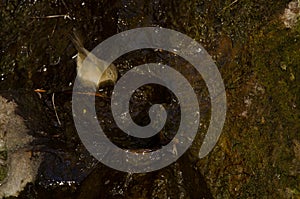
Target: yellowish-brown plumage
{"type": "Point", "coordinates": [90, 69]}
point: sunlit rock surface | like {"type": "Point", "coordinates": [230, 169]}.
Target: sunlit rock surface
{"type": "Point", "coordinates": [17, 165]}
{"type": "Point", "coordinates": [291, 14]}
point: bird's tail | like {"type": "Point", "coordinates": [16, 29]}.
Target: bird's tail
{"type": "Point", "coordinates": [77, 41]}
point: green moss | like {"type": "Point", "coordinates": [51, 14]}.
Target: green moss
{"type": "Point", "coordinates": [255, 156]}
{"type": "Point", "coordinates": [272, 151]}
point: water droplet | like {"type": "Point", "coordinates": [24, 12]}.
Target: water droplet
{"type": "Point", "coordinates": [24, 51]}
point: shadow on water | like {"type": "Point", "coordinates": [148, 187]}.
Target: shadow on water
{"type": "Point", "coordinates": [36, 53]}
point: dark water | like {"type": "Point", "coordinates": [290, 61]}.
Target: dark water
{"type": "Point", "coordinates": [37, 54]}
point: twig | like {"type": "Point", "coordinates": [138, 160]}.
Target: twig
{"type": "Point", "coordinates": [226, 7]}
{"type": "Point", "coordinates": [235, 1]}
{"type": "Point", "coordinates": [54, 16]}
{"type": "Point", "coordinates": [55, 110]}
{"type": "Point", "coordinates": [80, 93]}
{"type": "Point", "coordinates": [54, 28]}
{"type": "Point", "coordinates": [65, 5]}
{"type": "Point", "coordinates": [40, 90]}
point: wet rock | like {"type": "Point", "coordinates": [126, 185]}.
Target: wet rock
{"type": "Point", "coordinates": [18, 162]}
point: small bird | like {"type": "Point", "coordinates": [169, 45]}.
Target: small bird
{"type": "Point", "coordinates": [90, 69]}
